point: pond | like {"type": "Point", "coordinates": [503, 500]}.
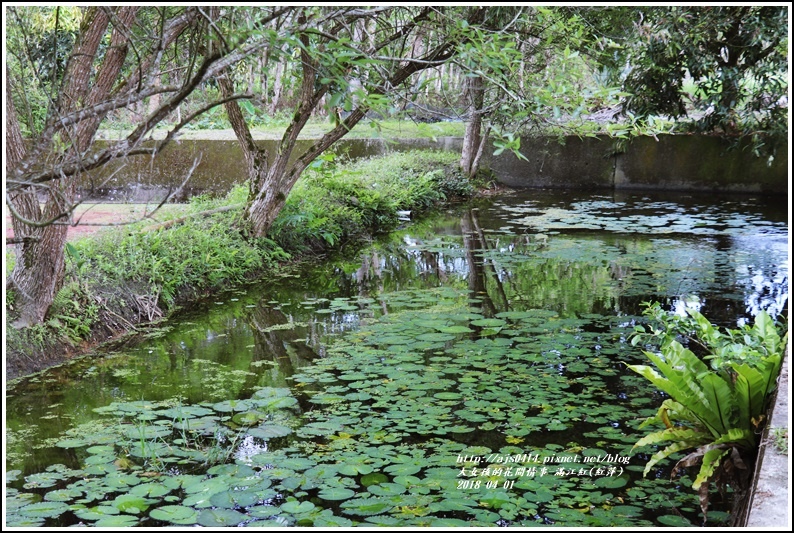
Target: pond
{"type": "Point", "coordinates": [467, 370]}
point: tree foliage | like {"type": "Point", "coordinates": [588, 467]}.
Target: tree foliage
{"type": "Point", "coordinates": [118, 57]}
{"type": "Point", "coordinates": [725, 67]}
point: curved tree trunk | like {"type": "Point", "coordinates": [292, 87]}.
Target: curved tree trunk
{"type": "Point", "coordinates": [271, 183]}
{"type": "Point", "coordinates": [40, 261]}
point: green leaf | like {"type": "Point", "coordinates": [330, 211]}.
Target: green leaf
{"type": "Point", "coordinates": [374, 478]}
{"type": "Point", "coordinates": [232, 499]}
{"type": "Point", "coordinates": [43, 510]}
{"type": "Point", "coordinates": [337, 493]}
{"type": "Point", "coordinates": [674, 521]}
{"type": "Point", "coordinates": [296, 507]}
{"type": "Point", "coordinates": [366, 507]}
{"type": "Point", "coordinates": [129, 503]}
{"type": "Point", "coordinates": [220, 518]}
{"type": "Point", "coordinates": [96, 513]}
{"type": "Point", "coordinates": [116, 521]}
{"type": "Point", "coordinates": [175, 514]}
{"type": "Point", "coordinates": [269, 431]}
{"type": "Point", "coordinates": [711, 460]}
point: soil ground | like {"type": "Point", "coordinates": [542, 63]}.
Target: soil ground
{"type": "Point", "coordinates": [90, 218]}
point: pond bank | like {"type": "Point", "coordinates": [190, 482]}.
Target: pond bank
{"type": "Point", "coordinates": [132, 276]}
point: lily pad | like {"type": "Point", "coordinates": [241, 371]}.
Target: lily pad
{"type": "Point", "coordinates": [175, 514]}
{"type": "Point", "coordinates": [454, 329]}
{"type": "Point", "coordinates": [153, 490]}
{"type": "Point", "coordinates": [335, 494]}
{"type": "Point", "coordinates": [674, 520]}
{"type": "Point", "coordinates": [332, 521]}
{"type": "Point", "coordinates": [488, 322]}
{"type": "Point", "coordinates": [447, 395]}
{"type": "Point", "coordinates": [62, 495]}
{"type": "Point", "coordinates": [249, 418]}
{"type": "Point", "coordinates": [220, 518]}
{"type": "Point", "coordinates": [117, 521]}
{"type": "Point", "coordinates": [269, 431]}
{"type": "Point", "coordinates": [96, 513]}
{"type": "Point", "coordinates": [611, 482]}
{"type": "Point", "coordinates": [129, 503]}
{"type": "Point", "coordinates": [43, 510]}
{"type": "Point", "coordinates": [296, 507]}
{"type": "Point", "coordinates": [271, 392]}
{"type": "Point", "coordinates": [232, 499]}
{"type": "Point", "coordinates": [436, 337]}
{"type": "Point", "coordinates": [366, 507]}
{"type": "Point", "coordinates": [72, 443]}
{"type": "Point", "coordinates": [233, 406]}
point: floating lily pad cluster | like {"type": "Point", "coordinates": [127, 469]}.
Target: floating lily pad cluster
{"type": "Point", "coordinates": [397, 404]}
{"type": "Point", "coordinates": [152, 462]}
{"type": "Point", "coordinates": [635, 216]}
{"type": "Point", "coordinates": [406, 395]}
{"type": "Point", "coordinates": [418, 378]}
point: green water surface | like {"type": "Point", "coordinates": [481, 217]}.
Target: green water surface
{"type": "Point", "coordinates": [468, 370]}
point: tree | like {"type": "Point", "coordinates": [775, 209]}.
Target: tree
{"type": "Point", "coordinates": [735, 57]}
{"type": "Point", "coordinates": [521, 73]}
{"type": "Point", "coordinates": [340, 70]}
{"type": "Point", "coordinates": [99, 74]}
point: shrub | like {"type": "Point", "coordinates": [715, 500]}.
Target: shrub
{"type": "Point", "coordinates": [337, 202]}
{"type": "Point", "coordinates": [718, 411]}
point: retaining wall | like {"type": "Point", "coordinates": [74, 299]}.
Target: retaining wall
{"type": "Point", "coordinates": [671, 162]}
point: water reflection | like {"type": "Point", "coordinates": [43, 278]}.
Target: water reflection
{"type": "Point", "coordinates": [728, 260]}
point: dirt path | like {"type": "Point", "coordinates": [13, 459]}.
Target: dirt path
{"type": "Point", "coordinates": [91, 218]}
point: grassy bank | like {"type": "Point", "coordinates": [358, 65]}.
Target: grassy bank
{"type": "Point", "coordinates": [217, 127]}
{"type": "Point", "coordinates": [137, 274]}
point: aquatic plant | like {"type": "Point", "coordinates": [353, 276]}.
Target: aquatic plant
{"type": "Point", "coordinates": [716, 412]}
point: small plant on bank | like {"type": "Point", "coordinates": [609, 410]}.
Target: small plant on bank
{"type": "Point", "coordinates": [717, 412]}
{"type": "Point", "coordinates": [780, 438]}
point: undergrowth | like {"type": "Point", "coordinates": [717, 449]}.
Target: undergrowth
{"type": "Point", "coordinates": [122, 277]}
{"type": "Point", "coordinates": [337, 203]}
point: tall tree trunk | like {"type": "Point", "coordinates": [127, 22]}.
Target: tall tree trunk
{"type": "Point", "coordinates": [40, 261]}
{"type": "Point", "coordinates": [281, 67]}
{"type": "Point", "coordinates": [270, 185]}
{"type": "Point", "coordinates": [38, 268]}
{"type": "Point", "coordinates": [473, 138]}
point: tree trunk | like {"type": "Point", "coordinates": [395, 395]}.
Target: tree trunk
{"type": "Point", "coordinates": [38, 269]}
{"type": "Point", "coordinates": [281, 66]}
{"type": "Point", "coordinates": [270, 185]}
{"type": "Point", "coordinates": [40, 261]}
{"type": "Point", "coordinates": [474, 93]}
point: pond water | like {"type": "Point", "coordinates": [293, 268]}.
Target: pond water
{"type": "Point", "coordinates": [467, 370]}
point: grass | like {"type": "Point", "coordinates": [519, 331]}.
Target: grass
{"type": "Point", "coordinates": [366, 129]}
{"type": "Point", "coordinates": [780, 438]}
{"type": "Point", "coordinates": [131, 274]}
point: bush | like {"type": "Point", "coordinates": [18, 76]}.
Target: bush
{"type": "Point", "coordinates": [714, 411]}
{"type": "Point", "coordinates": [121, 277]}
{"type": "Point", "coordinates": [337, 203]}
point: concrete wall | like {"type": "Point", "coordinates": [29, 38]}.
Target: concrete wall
{"type": "Point", "coordinates": [685, 162]}
{"type": "Point", "coordinates": [220, 166]}
{"type": "Point", "coordinates": [673, 162]}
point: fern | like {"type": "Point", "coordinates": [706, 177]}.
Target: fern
{"type": "Point", "coordinates": [715, 411]}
